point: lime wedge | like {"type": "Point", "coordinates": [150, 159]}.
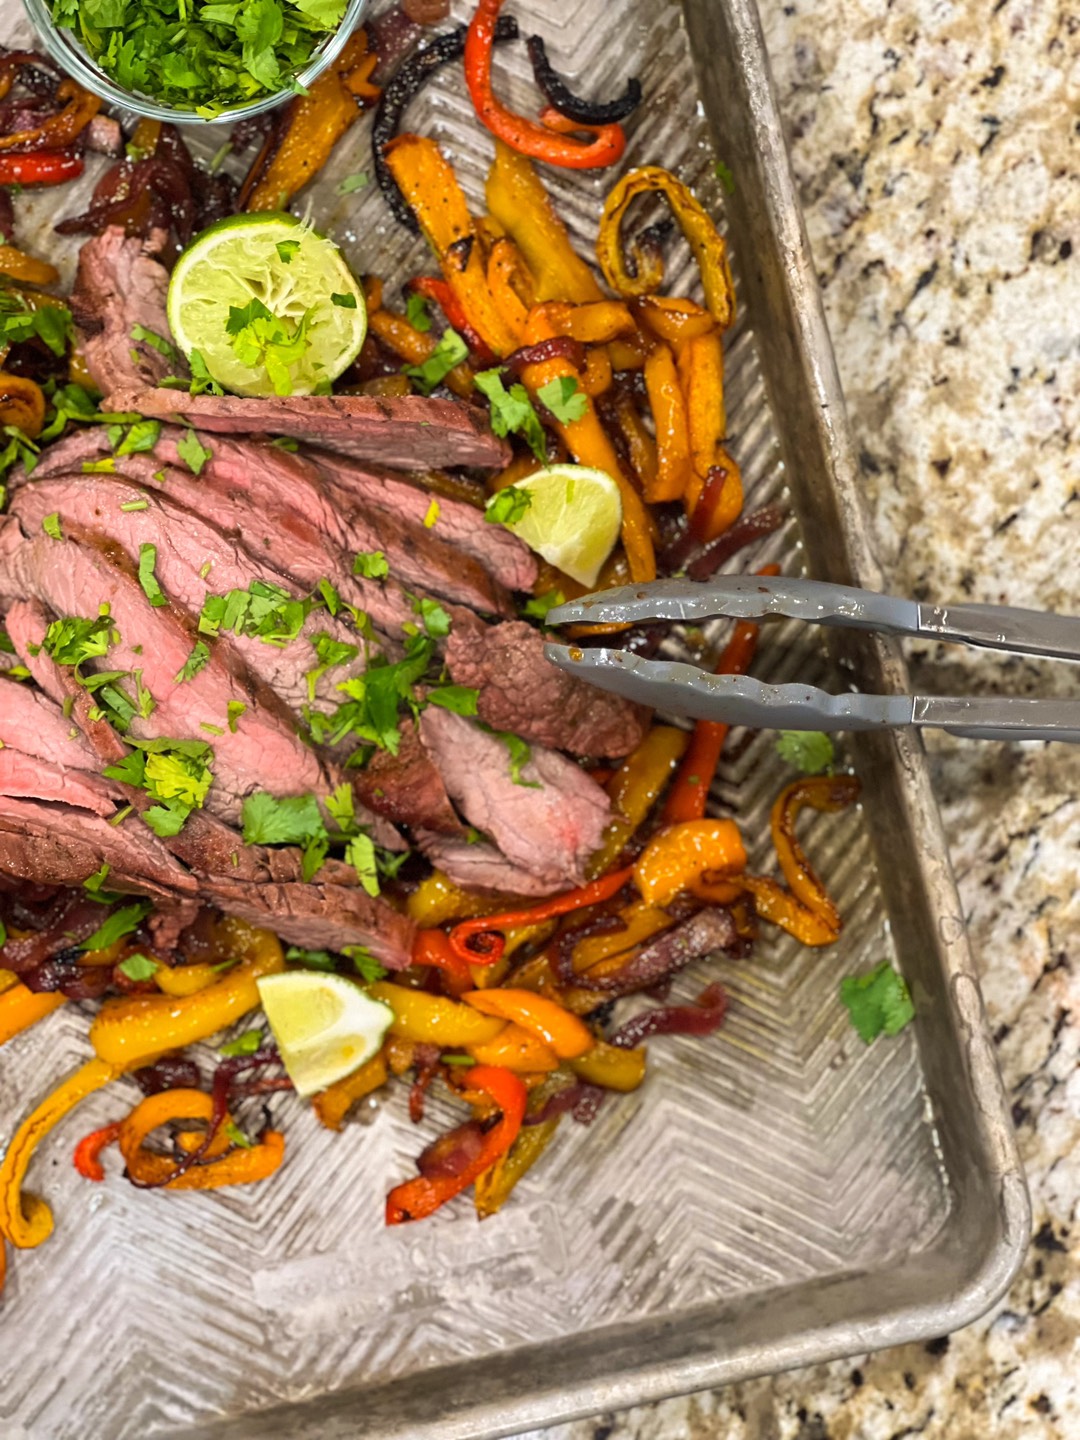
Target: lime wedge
{"type": "Point", "coordinates": [325, 1026]}
{"type": "Point", "coordinates": [573, 518]}
{"type": "Point", "coordinates": [290, 270]}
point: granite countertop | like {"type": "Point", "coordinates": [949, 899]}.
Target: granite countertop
{"type": "Point", "coordinates": [935, 145]}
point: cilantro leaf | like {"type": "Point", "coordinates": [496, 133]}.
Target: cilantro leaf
{"type": "Point", "coordinates": [352, 183]}
{"type": "Point", "coordinates": [71, 641]}
{"type": "Point", "coordinates": [564, 399]}
{"type": "Point", "coordinates": [435, 620]}
{"type": "Point", "coordinates": [245, 1044]}
{"type": "Point", "coordinates": [115, 926]}
{"type": "Point", "coordinates": [416, 312]}
{"type": "Point", "coordinates": [507, 505]}
{"type": "Point", "coordinates": [234, 710]}
{"type": "Point", "coordinates": [94, 885]}
{"type": "Point", "coordinates": [292, 820]}
{"type": "Point", "coordinates": [878, 1003]}
{"type": "Point", "coordinates": [259, 27]}
{"type": "Point", "coordinates": [520, 755]}
{"type": "Point", "coordinates": [461, 699]}
{"type": "Point", "coordinates": [139, 967]}
{"type": "Point", "coordinates": [286, 249]}
{"type": "Point", "coordinates": [360, 854]}
{"type": "Point", "coordinates": [313, 959]}
{"type": "Point", "coordinates": [147, 579]}
{"type": "Point", "coordinates": [450, 351]}
{"type": "Point", "coordinates": [367, 966]}
{"type": "Point", "coordinates": [263, 340]}
{"type": "Point", "coordinates": [51, 526]}
{"type": "Point", "coordinates": [371, 564]}
{"type": "Point", "coordinates": [193, 453]}
{"type": "Point", "coordinates": [202, 382]}
{"type": "Point", "coordinates": [724, 175]}
{"type": "Point", "coordinates": [155, 341]}
{"type": "Point", "coordinates": [263, 611]}
{"type": "Point", "coordinates": [807, 750]}
{"type": "Point", "coordinates": [44, 321]}
{"type": "Point", "coordinates": [343, 302]}
{"type": "Point", "coordinates": [537, 608]}
{"type": "Point", "coordinates": [235, 1135]}
{"type": "Point", "coordinates": [512, 411]}
{"type": "Point", "coordinates": [141, 437]}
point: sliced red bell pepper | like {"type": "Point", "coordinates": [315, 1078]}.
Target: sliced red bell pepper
{"type": "Point", "coordinates": [481, 941]}
{"type": "Point", "coordinates": [416, 1199]}
{"type": "Point", "coordinates": [432, 948]}
{"type": "Point", "coordinates": [440, 293]}
{"type": "Point", "coordinates": [45, 167]}
{"type": "Point", "coordinates": [89, 1148]}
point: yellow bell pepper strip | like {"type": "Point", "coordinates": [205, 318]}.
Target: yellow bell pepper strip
{"type": "Point", "coordinates": [517, 1048]}
{"type": "Point", "coordinates": [26, 1220]}
{"type": "Point", "coordinates": [437, 899]}
{"type": "Point", "coordinates": [701, 234]}
{"type": "Point", "coordinates": [17, 265]}
{"type": "Point", "coordinates": [593, 324]}
{"type": "Point", "coordinates": [779, 907]}
{"type": "Point", "coordinates": [635, 788]}
{"type": "Point", "coordinates": [433, 1019]}
{"type": "Point", "coordinates": [681, 858]}
{"type": "Point", "coordinates": [22, 404]}
{"type": "Point", "coordinates": [404, 340]}
{"type": "Point", "coordinates": [674, 320]}
{"type": "Point", "coordinates": [315, 123]}
{"type": "Point", "coordinates": [611, 1067]}
{"type": "Point", "coordinates": [87, 1155]}
{"type": "Point", "coordinates": [824, 793]}
{"type": "Point", "coordinates": [21, 1007]}
{"type": "Point", "coordinates": [598, 954]}
{"type": "Point", "coordinates": [234, 1167]}
{"type": "Point", "coordinates": [494, 1186]}
{"type": "Point", "coordinates": [134, 1031]}
{"type": "Point", "coordinates": [567, 1036]}
{"type": "Point", "coordinates": [517, 200]}
{"type": "Point", "coordinates": [668, 406]}
{"type": "Point", "coordinates": [421, 1197]}
{"type": "Point", "coordinates": [334, 1103]}
{"type": "Point", "coordinates": [431, 189]}
{"type": "Point", "coordinates": [588, 442]}
{"type": "Point", "coordinates": [544, 141]}
{"type": "Point", "coordinates": [8, 978]}
{"type": "Point", "coordinates": [482, 941]}
{"type": "Point", "coordinates": [512, 287]}
{"type": "Point", "coordinates": [183, 980]}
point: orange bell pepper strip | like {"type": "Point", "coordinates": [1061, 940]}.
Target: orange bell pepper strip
{"type": "Point", "coordinates": [640, 445]}
{"type": "Point", "coordinates": [588, 442]}
{"type": "Point", "coordinates": [334, 1103]}
{"type": "Point", "coordinates": [683, 857]}
{"type": "Point", "coordinates": [824, 793]}
{"type": "Point", "coordinates": [26, 1220]}
{"type": "Point", "coordinates": [414, 348]}
{"type": "Point", "coordinates": [544, 142]}
{"type": "Point", "coordinates": [17, 265]}
{"type": "Point", "coordinates": [777, 905]}
{"type": "Point", "coordinates": [512, 287]}
{"type": "Point", "coordinates": [635, 788]}
{"type": "Point", "coordinates": [516, 1048]}
{"type": "Point", "coordinates": [87, 1155]}
{"type": "Point", "coordinates": [599, 953]}
{"type": "Point", "coordinates": [21, 1007]}
{"type": "Point", "coordinates": [482, 941]}
{"type": "Point", "coordinates": [517, 200]}
{"type": "Point", "coordinates": [416, 1199]}
{"type": "Point", "coordinates": [668, 405]}
{"type": "Point", "coordinates": [234, 1167]}
{"type": "Point", "coordinates": [431, 189]}
{"type": "Point", "coordinates": [58, 130]}
{"type": "Point", "coordinates": [596, 323]}
{"type": "Point", "coordinates": [316, 122]}
{"type": "Point", "coordinates": [701, 234]}
{"type": "Point", "coordinates": [701, 371]}
{"type": "Point", "coordinates": [673, 320]}
{"type": "Point", "coordinates": [597, 376]}
{"type": "Point", "coordinates": [22, 404]}
{"type": "Point", "coordinates": [715, 504]}
{"type": "Point", "coordinates": [567, 1036]}
{"type": "Point", "coordinates": [432, 948]}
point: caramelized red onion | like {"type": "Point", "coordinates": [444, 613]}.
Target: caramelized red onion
{"type": "Point", "coordinates": [171, 1072]}
{"type": "Point", "coordinates": [703, 1017]}
{"type": "Point", "coordinates": [446, 1157]}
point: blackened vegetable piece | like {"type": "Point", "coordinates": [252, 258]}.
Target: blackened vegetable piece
{"type": "Point", "coordinates": [586, 112]}
{"type": "Point", "coordinates": [399, 93]}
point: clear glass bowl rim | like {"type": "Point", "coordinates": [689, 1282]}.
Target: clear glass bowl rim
{"type": "Point", "coordinates": [62, 47]}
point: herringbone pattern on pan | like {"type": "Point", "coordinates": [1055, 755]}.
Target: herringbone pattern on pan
{"type": "Point", "coordinates": [779, 1151]}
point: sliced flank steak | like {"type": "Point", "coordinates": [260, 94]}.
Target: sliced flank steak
{"type": "Point", "coordinates": [35, 725]}
{"type": "Point", "coordinates": [121, 285]}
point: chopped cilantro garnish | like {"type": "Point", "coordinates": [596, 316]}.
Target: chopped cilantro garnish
{"type": "Point", "coordinates": [234, 710]}
{"type": "Point", "coordinates": [155, 341]}
{"type": "Point", "coordinates": [512, 411]}
{"type": "Point", "coordinates": [129, 506]}
{"type": "Point", "coordinates": [457, 1059]}
{"type": "Point", "coordinates": [371, 564]}
{"type": "Point", "coordinates": [360, 853]}
{"type": "Point", "coordinates": [520, 755]}
{"type": "Point", "coordinates": [313, 959]}
{"type": "Point", "coordinates": [286, 249]}
{"type": "Point", "coordinates": [807, 750]}
{"type": "Point", "coordinates": [176, 772]}
{"type": "Point", "coordinates": [352, 183]}
{"type": "Point", "coordinates": [73, 640]}
{"type": "Point", "coordinates": [537, 608]}
{"type": "Point", "coordinates": [431, 518]}
{"type": "Point", "coordinates": [724, 175]}
{"type": "Point", "coordinates": [461, 699]}
{"type": "Point", "coordinates": [507, 505]}
{"type": "Point", "coordinates": [416, 312]}
{"type": "Point", "coordinates": [94, 885]}
{"type": "Point", "coordinates": [331, 653]}
{"type": "Point", "coordinates": [367, 967]}
{"type": "Point", "coordinates": [193, 453]}
{"type": "Point", "coordinates": [264, 611]}
{"type": "Point", "coordinates": [263, 340]}
{"type": "Point", "coordinates": [234, 1134]}
{"type": "Point", "coordinates": [878, 1003]}
{"type": "Point", "coordinates": [139, 967]}
{"type": "Point", "coordinates": [435, 620]}
{"type": "Point", "coordinates": [450, 351]}
{"type": "Point", "coordinates": [200, 654]}
{"type": "Point", "coordinates": [147, 579]}
{"type": "Point", "coordinates": [115, 926]}
{"type": "Point", "coordinates": [343, 302]}
{"type": "Point", "coordinates": [51, 526]}
{"type": "Point", "coordinates": [45, 321]}
{"type": "Point", "coordinates": [245, 1044]}
{"type": "Point", "coordinates": [292, 820]}
{"type": "Point", "coordinates": [141, 437]}
{"type": "Point", "coordinates": [564, 399]}
{"type": "Point", "coordinates": [202, 382]}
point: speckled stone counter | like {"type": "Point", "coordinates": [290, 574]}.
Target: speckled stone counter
{"type": "Point", "coordinates": [937, 149]}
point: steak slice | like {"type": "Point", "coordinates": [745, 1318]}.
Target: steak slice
{"type": "Point", "coordinates": [546, 827]}
{"type": "Point", "coordinates": [521, 691]}
{"type": "Point", "coordinates": [119, 284]}
{"type": "Point", "coordinates": [478, 866]}
{"type": "Point", "coordinates": [26, 777]}
{"type": "Point", "coordinates": [33, 724]}
{"type": "Point", "coordinates": [407, 787]}
{"type": "Point", "coordinates": [459, 524]}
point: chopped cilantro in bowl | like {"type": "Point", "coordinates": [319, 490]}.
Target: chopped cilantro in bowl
{"type": "Point", "coordinates": [195, 59]}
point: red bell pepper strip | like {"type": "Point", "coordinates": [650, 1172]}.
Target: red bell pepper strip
{"type": "Point", "coordinates": [416, 1199]}
{"type": "Point", "coordinates": [89, 1148]}
{"type": "Point", "coordinates": [433, 948]}
{"type": "Point", "coordinates": [542, 142]}
{"type": "Point", "coordinates": [440, 293]}
{"type": "Point", "coordinates": [481, 941]}
{"type": "Point", "coordinates": [46, 167]}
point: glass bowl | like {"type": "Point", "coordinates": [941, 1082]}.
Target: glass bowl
{"type": "Point", "coordinates": [61, 46]}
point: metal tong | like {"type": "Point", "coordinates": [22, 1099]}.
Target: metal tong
{"type": "Point", "coordinates": [683, 689]}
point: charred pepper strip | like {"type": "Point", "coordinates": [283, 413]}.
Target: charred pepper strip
{"type": "Point", "coordinates": [482, 941]}
{"type": "Point", "coordinates": [558, 94]}
{"type": "Point", "coordinates": [402, 90]}
{"type": "Point", "coordinates": [418, 1198]}
{"type": "Point", "coordinates": [525, 135]}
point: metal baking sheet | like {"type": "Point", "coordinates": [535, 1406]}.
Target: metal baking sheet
{"type": "Point", "coordinates": [778, 1195]}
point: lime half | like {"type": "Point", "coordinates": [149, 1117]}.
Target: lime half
{"type": "Point", "coordinates": [325, 1026]}
{"type": "Point", "coordinates": [297, 276]}
{"type": "Point", "coordinates": [573, 519]}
